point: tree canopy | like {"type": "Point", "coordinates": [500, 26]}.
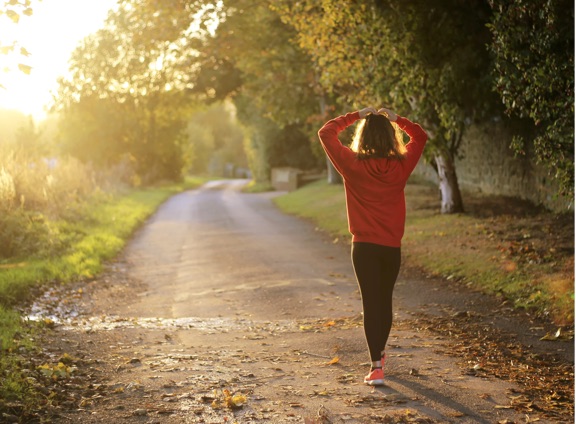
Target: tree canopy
{"type": "Point", "coordinates": [287, 66]}
{"type": "Point", "coordinates": [128, 96]}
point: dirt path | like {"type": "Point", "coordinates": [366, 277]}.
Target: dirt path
{"type": "Point", "coordinates": [224, 310]}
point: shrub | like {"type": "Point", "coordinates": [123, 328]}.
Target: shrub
{"type": "Point", "coordinates": [36, 192]}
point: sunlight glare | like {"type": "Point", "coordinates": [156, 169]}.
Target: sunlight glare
{"type": "Point", "coordinates": [50, 35]}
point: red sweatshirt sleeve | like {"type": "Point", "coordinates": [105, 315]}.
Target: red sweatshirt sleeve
{"type": "Point", "coordinates": [339, 154]}
{"type": "Point", "coordinates": [415, 146]}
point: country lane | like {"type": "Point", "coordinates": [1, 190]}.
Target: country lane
{"type": "Point", "coordinates": [223, 309]}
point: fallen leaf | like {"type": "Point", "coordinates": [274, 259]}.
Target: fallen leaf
{"type": "Point", "coordinates": [558, 335]}
{"type": "Point", "coordinates": [333, 361]}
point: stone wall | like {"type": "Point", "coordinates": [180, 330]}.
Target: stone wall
{"type": "Point", "coordinates": [489, 166]}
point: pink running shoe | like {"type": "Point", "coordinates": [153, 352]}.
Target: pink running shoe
{"type": "Point", "coordinates": [375, 378]}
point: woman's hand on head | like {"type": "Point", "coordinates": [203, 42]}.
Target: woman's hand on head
{"type": "Point", "coordinates": [366, 111]}
{"type": "Point", "coordinates": [388, 113]}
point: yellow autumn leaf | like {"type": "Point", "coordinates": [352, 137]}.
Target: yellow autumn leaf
{"type": "Point", "coordinates": [49, 323]}
{"type": "Point", "coordinates": [66, 359]}
{"type": "Point", "coordinates": [238, 400]}
{"type": "Point", "coordinates": [333, 361]}
{"type": "Point", "coordinates": [25, 68]}
{"type": "Point", "coordinates": [13, 15]}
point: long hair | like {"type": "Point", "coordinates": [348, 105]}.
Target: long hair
{"type": "Point", "coordinates": [377, 137]}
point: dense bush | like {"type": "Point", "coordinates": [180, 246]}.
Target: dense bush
{"type": "Point", "coordinates": [26, 233]}
{"type": "Point", "coordinates": [35, 193]}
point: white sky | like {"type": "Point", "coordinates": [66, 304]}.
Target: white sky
{"type": "Point", "coordinates": [50, 35]}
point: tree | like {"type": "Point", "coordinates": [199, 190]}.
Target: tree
{"type": "Point", "coordinates": [95, 130]}
{"type": "Point", "coordinates": [423, 57]}
{"type": "Point", "coordinates": [129, 93]}
{"type": "Point", "coordinates": [444, 77]}
{"type": "Point", "coordinates": [533, 47]}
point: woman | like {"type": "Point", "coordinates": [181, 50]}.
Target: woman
{"type": "Point", "coordinates": [375, 170]}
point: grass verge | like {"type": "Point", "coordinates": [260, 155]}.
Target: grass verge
{"type": "Point", "coordinates": [500, 246]}
{"type": "Point", "coordinates": [98, 235]}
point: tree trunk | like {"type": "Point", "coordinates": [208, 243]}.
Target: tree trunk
{"type": "Point", "coordinates": [451, 197]}
{"type": "Point", "coordinates": [333, 176]}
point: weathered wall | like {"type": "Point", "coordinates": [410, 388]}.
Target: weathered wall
{"type": "Point", "coordinates": [489, 166]}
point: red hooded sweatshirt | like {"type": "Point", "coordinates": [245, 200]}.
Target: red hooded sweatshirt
{"type": "Point", "coordinates": [374, 187]}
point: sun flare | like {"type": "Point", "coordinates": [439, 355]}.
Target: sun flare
{"type": "Point", "coordinates": [49, 36]}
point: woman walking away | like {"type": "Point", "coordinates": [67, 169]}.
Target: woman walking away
{"type": "Point", "coordinates": [375, 169]}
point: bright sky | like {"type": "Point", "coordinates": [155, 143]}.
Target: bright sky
{"type": "Point", "coordinates": [50, 35]}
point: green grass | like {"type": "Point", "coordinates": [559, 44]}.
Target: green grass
{"type": "Point", "coordinates": [321, 203]}
{"type": "Point", "coordinates": [9, 320]}
{"type": "Point", "coordinates": [16, 341]}
{"type": "Point", "coordinates": [460, 247]}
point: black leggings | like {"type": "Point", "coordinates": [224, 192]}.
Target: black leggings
{"type": "Point", "coordinates": [376, 268]}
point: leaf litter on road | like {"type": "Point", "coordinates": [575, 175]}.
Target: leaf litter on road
{"type": "Point", "coordinates": [546, 383]}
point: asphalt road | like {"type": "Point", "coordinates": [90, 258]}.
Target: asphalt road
{"type": "Point", "coordinates": [221, 291]}
{"type": "Point", "coordinates": [217, 251]}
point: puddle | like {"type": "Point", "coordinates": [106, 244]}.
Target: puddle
{"type": "Point", "coordinates": [55, 304]}
{"type": "Point", "coordinates": [64, 307]}
{"type": "Point", "coordinates": [107, 323]}
{"type": "Point", "coordinates": [61, 307]}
